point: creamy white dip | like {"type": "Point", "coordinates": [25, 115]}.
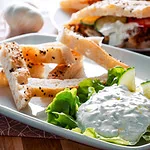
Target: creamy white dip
{"type": "Point", "coordinates": [116, 112]}
{"type": "Point", "coordinates": [117, 31]}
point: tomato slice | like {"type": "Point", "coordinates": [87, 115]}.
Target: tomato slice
{"type": "Point", "coordinates": [145, 22]}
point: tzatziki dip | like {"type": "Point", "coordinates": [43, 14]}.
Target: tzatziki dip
{"type": "Point", "coordinates": [116, 112]}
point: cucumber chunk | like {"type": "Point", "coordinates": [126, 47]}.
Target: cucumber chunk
{"type": "Point", "coordinates": [128, 79]}
{"type": "Point", "coordinates": [108, 19]}
{"type": "Point", "coordinates": [146, 88]}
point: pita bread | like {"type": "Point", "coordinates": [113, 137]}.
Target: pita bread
{"type": "Point", "coordinates": [122, 23]}
{"type": "Point", "coordinates": [137, 9]}
{"type": "Point", "coordinates": [22, 85]}
{"type": "Point", "coordinates": [88, 48]}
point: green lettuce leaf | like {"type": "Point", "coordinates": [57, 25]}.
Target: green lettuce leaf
{"type": "Point", "coordinates": [77, 130]}
{"type": "Point", "coordinates": [114, 74]}
{"type": "Point", "coordinates": [62, 110]}
{"type": "Point", "coordinates": [87, 88]}
{"type": "Point", "coordinates": [63, 120]}
{"type": "Point", "coordinates": [146, 136]}
{"type": "Point", "coordinates": [92, 133]}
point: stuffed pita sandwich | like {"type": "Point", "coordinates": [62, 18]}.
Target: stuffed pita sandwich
{"type": "Point", "coordinates": [121, 23]}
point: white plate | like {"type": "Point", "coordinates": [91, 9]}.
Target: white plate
{"type": "Point", "coordinates": [59, 18]}
{"type": "Point", "coordinates": [34, 115]}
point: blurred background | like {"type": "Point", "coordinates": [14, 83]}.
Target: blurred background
{"type": "Point", "coordinates": [45, 7]}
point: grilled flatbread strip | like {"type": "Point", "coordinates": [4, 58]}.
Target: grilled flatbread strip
{"type": "Point", "coordinates": [3, 79]}
{"type": "Point", "coordinates": [137, 9]}
{"type": "Point", "coordinates": [64, 71]}
{"type": "Point", "coordinates": [22, 86]}
{"type": "Point", "coordinates": [53, 52]}
{"type": "Point", "coordinates": [89, 49]}
{"type": "Point", "coordinates": [34, 58]}
{"type": "Point", "coordinates": [50, 87]}
{"type": "Point", "coordinates": [16, 72]}
{"type": "Point", "coordinates": [67, 71]}
{"type": "Point", "coordinates": [36, 71]}
{"type": "Point", "coordinates": [61, 71]}
{"type": "Point", "coordinates": [17, 75]}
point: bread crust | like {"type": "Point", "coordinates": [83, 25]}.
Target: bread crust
{"type": "Point", "coordinates": [16, 72]}
{"type": "Point", "coordinates": [36, 56]}
{"type": "Point", "coordinates": [89, 48]}
{"type": "Point", "coordinates": [53, 52]}
{"type": "Point", "coordinates": [75, 5]}
{"type": "Point", "coordinates": [137, 9]}
{"type": "Point", "coordinates": [3, 79]}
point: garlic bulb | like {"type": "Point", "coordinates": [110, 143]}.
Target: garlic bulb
{"type": "Point", "coordinates": [22, 18]}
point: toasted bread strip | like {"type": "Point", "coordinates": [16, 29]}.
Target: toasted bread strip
{"type": "Point", "coordinates": [36, 71]}
{"type": "Point", "coordinates": [22, 86]}
{"type": "Point", "coordinates": [53, 52]}
{"type": "Point", "coordinates": [16, 72]}
{"type": "Point", "coordinates": [61, 71]}
{"type": "Point", "coordinates": [17, 75]}
{"type": "Point", "coordinates": [137, 9]}
{"type": "Point", "coordinates": [89, 49]}
{"type": "Point", "coordinates": [50, 87]}
{"type": "Point", "coordinates": [3, 79]}
{"type": "Point", "coordinates": [65, 71]}
{"type": "Point", "coordinates": [35, 67]}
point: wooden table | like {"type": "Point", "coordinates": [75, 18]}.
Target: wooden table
{"type": "Point", "coordinates": [24, 143]}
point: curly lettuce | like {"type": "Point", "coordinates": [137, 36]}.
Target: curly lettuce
{"type": "Point", "coordinates": [114, 75]}
{"type": "Point", "coordinates": [90, 132]}
{"type": "Point", "coordinates": [87, 88]}
{"type": "Point", "coordinates": [62, 110]}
